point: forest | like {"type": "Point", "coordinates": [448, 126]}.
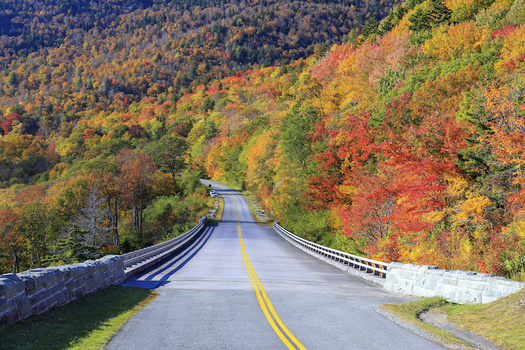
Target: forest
{"type": "Point", "coordinates": [402, 145]}
{"type": "Point", "coordinates": [389, 130]}
{"type": "Point", "coordinates": [94, 143]}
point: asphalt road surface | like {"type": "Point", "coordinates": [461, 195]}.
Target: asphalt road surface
{"type": "Point", "coordinates": [242, 286]}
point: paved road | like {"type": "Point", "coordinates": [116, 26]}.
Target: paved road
{"type": "Point", "coordinates": [207, 298]}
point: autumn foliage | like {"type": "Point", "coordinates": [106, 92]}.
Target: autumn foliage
{"type": "Point", "coordinates": [402, 141]}
{"type": "Point", "coordinates": [408, 141]}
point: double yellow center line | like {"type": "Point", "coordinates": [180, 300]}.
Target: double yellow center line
{"type": "Point", "coordinates": [289, 339]}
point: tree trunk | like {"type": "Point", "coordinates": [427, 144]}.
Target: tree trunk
{"type": "Point", "coordinates": [15, 263]}
{"type": "Point", "coordinates": [115, 225]}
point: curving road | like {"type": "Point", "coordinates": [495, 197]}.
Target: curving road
{"type": "Point", "coordinates": [209, 299]}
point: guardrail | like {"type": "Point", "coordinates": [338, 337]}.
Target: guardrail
{"type": "Point", "coordinates": [377, 268]}
{"type": "Point", "coordinates": [139, 260]}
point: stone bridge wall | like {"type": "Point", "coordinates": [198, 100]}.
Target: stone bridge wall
{"type": "Point", "coordinates": [462, 287]}
{"type": "Point", "coordinates": [36, 291]}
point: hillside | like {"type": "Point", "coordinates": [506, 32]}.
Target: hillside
{"type": "Point", "coordinates": [62, 62]}
{"type": "Point", "coordinates": [91, 133]}
{"type": "Point", "coordinates": [405, 145]}
{"type": "Point", "coordinates": [401, 141]}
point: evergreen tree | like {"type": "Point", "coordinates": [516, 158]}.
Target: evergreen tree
{"type": "Point", "coordinates": [74, 249]}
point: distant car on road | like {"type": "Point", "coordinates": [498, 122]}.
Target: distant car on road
{"type": "Point", "coordinates": [213, 193]}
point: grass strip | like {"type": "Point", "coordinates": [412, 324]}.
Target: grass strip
{"type": "Point", "coordinates": [502, 321]}
{"type": "Point", "coordinates": [409, 312]}
{"type": "Point", "coordinates": [218, 214]}
{"type": "Point", "coordinates": [86, 324]}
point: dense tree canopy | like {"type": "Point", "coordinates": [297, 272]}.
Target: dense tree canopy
{"type": "Point", "coordinates": [401, 141]}
{"type": "Point", "coordinates": [408, 141]}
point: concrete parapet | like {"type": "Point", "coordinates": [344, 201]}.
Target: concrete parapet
{"type": "Point", "coordinates": [463, 287]}
{"type": "Point", "coordinates": [36, 291]}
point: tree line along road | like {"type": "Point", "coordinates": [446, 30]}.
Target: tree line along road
{"type": "Point", "coordinates": [241, 286]}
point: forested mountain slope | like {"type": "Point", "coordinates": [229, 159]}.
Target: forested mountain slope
{"type": "Point", "coordinates": [401, 141]}
{"type": "Point", "coordinates": [408, 141]}
{"type": "Point", "coordinates": [64, 61]}
{"type": "Point", "coordinates": [91, 133]}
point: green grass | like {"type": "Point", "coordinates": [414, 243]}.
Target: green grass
{"type": "Point", "coordinates": [409, 312]}
{"type": "Point", "coordinates": [86, 324]}
{"type": "Point", "coordinates": [502, 321]}
{"type": "Point", "coordinates": [218, 215]}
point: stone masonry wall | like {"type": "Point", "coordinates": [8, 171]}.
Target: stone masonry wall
{"type": "Point", "coordinates": [36, 291]}
{"type": "Point", "coordinates": [462, 287]}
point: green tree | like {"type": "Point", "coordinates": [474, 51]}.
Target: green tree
{"type": "Point", "coordinates": [33, 225]}
{"type": "Point", "coordinates": [74, 249]}
{"type": "Point", "coordinates": [295, 135]}
{"type": "Point", "coordinates": [370, 28]}
{"type": "Point", "coordinates": [168, 154]}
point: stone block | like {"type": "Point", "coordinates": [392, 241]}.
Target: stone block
{"type": "Point", "coordinates": [20, 304]}
{"type": "Point", "coordinates": [484, 275]}
{"type": "Point", "coordinates": [3, 304]}
{"type": "Point", "coordinates": [411, 267]}
{"type": "Point", "coordinates": [418, 291]}
{"type": "Point", "coordinates": [478, 285]}
{"type": "Point", "coordinates": [4, 318]}
{"type": "Point", "coordinates": [456, 274]}
{"type": "Point", "coordinates": [119, 281]}
{"type": "Point", "coordinates": [116, 274]}
{"type": "Point", "coordinates": [485, 299]}
{"type": "Point", "coordinates": [77, 293]}
{"type": "Point", "coordinates": [10, 285]}
{"type": "Point", "coordinates": [74, 284]}
{"type": "Point", "coordinates": [39, 296]}
{"type": "Point", "coordinates": [457, 286]}
{"type": "Point", "coordinates": [429, 282]}
{"type": "Point", "coordinates": [92, 283]}
{"type": "Point", "coordinates": [468, 296]}
{"type": "Point", "coordinates": [392, 276]}
{"type": "Point", "coordinates": [395, 266]}
{"type": "Point", "coordinates": [423, 269]}
{"type": "Point", "coordinates": [450, 293]}
{"type": "Point", "coordinates": [38, 279]}
{"type": "Point", "coordinates": [32, 286]}
{"type": "Point", "coordinates": [429, 293]}
{"type": "Point", "coordinates": [38, 290]}
{"type": "Point", "coordinates": [77, 271]}
{"type": "Point", "coordinates": [111, 276]}
{"type": "Point", "coordinates": [436, 272]}
{"type": "Point", "coordinates": [406, 286]}
{"type": "Point", "coordinates": [39, 307]}
{"type": "Point", "coordinates": [66, 271]}
{"type": "Point", "coordinates": [499, 290]}
{"type": "Point", "coordinates": [410, 275]}
{"type": "Point", "coordinates": [506, 283]}
{"type": "Point", "coordinates": [62, 296]}
{"type": "Point", "coordinates": [8, 316]}
{"type": "Point", "coordinates": [449, 280]}
{"type": "Point", "coordinates": [440, 289]}
{"type": "Point", "coordinates": [474, 278]}
{"type": "Point", "coordinates": [108, 281]}
{"type": "Point", "coordinates": [44, 305]}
